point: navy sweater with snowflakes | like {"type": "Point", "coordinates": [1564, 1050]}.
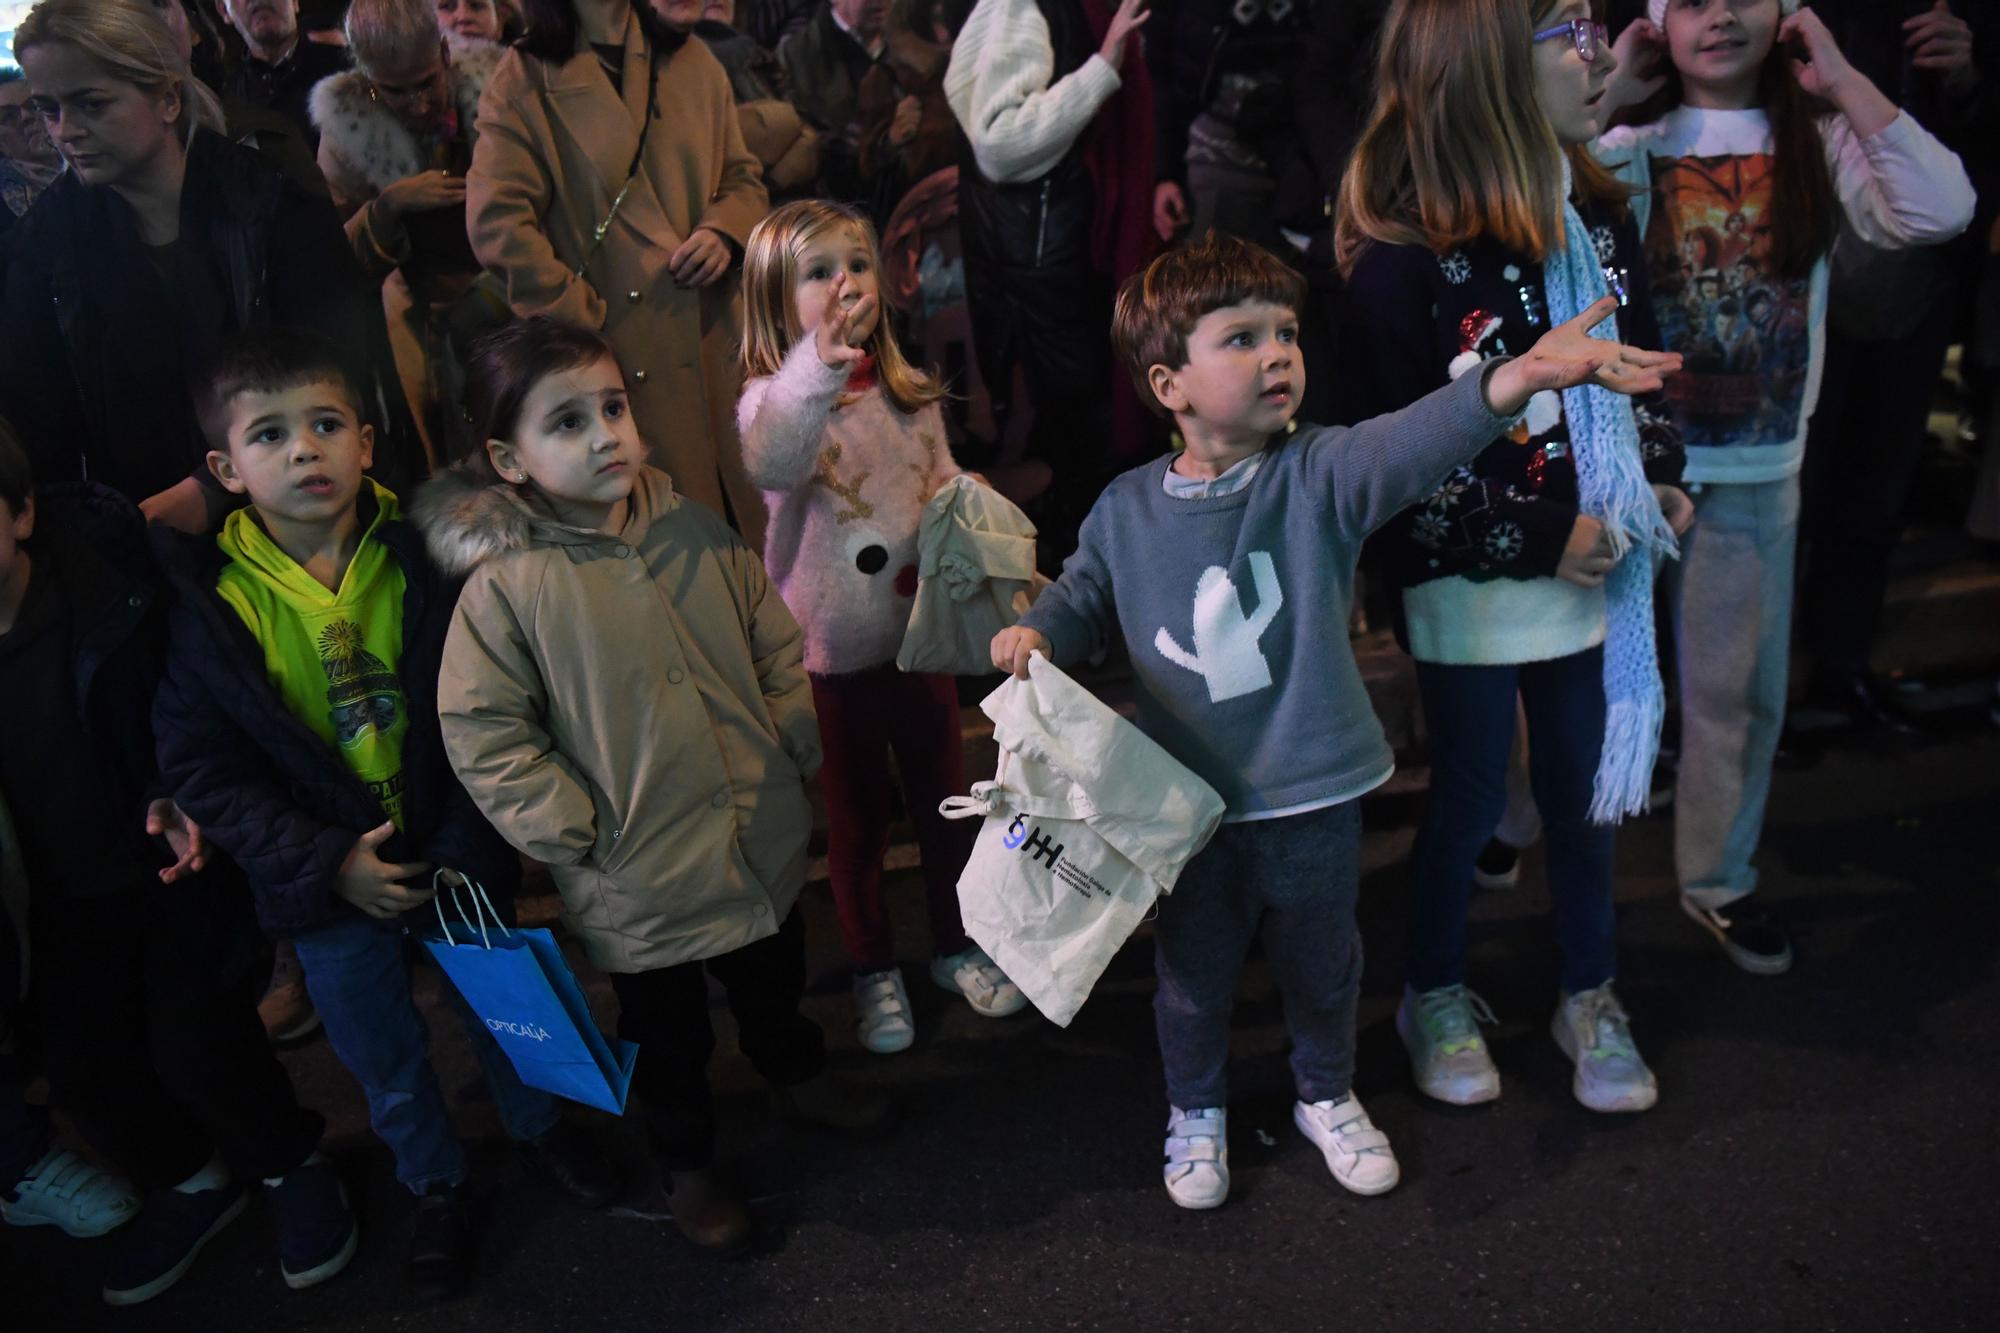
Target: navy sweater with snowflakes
{"type": "Point", "coordinates": [1414, 319]}
{"type": "Point", "coordinates": [1234, 608]}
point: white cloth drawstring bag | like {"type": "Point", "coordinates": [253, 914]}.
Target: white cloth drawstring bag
{"type": "Point", "coordinates": [975, 577]}
{"type": "Point", "coordinates": [1088, 821]}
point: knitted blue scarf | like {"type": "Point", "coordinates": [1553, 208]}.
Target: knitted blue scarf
{"type": "Point", "coordinates": [1611, 479]}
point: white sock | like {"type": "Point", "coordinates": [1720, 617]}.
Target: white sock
{"type": "Point", "coordinates": [313, 1160]}
{"type": "Point", "coordinates": [213, 1176]}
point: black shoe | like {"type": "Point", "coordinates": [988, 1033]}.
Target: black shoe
{"type": "Point", "coordinates": [317, 1235]}
{"type": "Point", "coordinates": [1848, 706]}
{"type": "Point", "coordinates": [441, 1243]}
{"type": "Point", "coordinates": [1498, 866]}
{"type": "Point", "coordinates": [1750, 936]}
{"type": "Point", "coordinates": [157, 1247]}
{"type": "Point", "coordinates": [570, 1159]}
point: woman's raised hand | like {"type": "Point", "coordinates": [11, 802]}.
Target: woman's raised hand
{"type": "Point", "coordinates": [1131, 16]}
{"type": "Point", "coordinates": [1567, 355]}
{"type": "Point", "coordinates": [840, 335]}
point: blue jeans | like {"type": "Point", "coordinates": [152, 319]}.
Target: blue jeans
{"type": "Point", "coordinates": [1470, 712]}
{"type": "Point", "coordinates": [1731, 593]}
{"type": "Point", "coordinates": [358, 973]}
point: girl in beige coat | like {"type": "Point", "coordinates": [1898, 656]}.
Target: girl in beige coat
{"type": "Point", "coordinates": [610, 187]}
{"type": "Point", "coordinates": [623, 694]}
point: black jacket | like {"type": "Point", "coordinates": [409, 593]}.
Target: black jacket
{"type": "Point", "coordinates": [1409, 313]}
{"type": "Point", "coordinates": [285, 87]}
{"type": "Point", "coordinates": [270, 792]}
{"type": "Point", "coordinates": [1192, 45]}
{"type": "Point", "coordinates": [93, 373]}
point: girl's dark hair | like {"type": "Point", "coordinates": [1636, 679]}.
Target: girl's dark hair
{"type": "Point", "coordinates": [1805, 211]}
{"type": "Point", "coordinates": [507, 364]}
{"type": "Point", "coordinates": [17, 479]}
{"type": "Point", "coordinates": [551, 27]}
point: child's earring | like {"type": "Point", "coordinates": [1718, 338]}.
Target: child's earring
{"type": "Point", "coordinates": [520, 478]}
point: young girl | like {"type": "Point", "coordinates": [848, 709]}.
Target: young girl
{"type": "Point", "coordinates": [622, 694]}
{"type": "Point", "coordinates": [1744, 177]}
{"type": "Point", "coordinates": [1472, 221]}
{"type": "Point", "coordinates": [847, 442]}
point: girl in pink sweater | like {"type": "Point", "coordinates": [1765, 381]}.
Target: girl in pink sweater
{"type": "Point", "coordinates": [845, 439]}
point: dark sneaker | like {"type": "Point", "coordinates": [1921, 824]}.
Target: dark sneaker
{"type": "Point", "coordinates": [441, 1243]}
{"type": "Point", "coordinates": [1750, 936]}
{"type": "Point", "coordinates": [570, 1159]}
{"type": "Point", "coordinates": [837, 1103]}
{"type": "Point", "coordinates": [155, 1249]}
{"type": "Point", "coordinates": [317, 1234]}
{"type": "Point", "coordinates": [708, 1212]}
{"type": "Point", "coordinates": [1498, 866]}
{"type": "Point", "coordinates": [287, 1010]}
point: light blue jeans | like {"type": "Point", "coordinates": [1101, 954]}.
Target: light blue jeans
{"type": "Point", "coordinates": [358, 973]}
{"type": "Point", "coordinates": [1731, 593]}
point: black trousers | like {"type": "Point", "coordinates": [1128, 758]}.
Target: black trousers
{"type": "Point", "coordinates": [146, 1011]}
{"type": "Point", "coordinates": [666, 1012]}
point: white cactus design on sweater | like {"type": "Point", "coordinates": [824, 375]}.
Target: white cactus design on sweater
{"type": "Point", "coordinates": [1225, 654]}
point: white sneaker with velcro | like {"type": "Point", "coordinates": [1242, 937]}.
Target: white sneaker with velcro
{"type": "Point", "coordinates": [1356, 1152]}
{"type": "Point", "coordinates": [63, 1190]}
{"type": "Point", "coordinates": [882, 1019]}
{"type": "Point", "coordinates": [1197, 1170]}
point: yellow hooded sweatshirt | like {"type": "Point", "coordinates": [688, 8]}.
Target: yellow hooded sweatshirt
{"type": "Point", "coordinates": [331, 656]}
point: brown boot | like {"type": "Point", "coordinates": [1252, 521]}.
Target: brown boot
{"type": "Point", "coordinates": [708, 1212]}
{"type": "Point", "coordinates": [827, 1099]}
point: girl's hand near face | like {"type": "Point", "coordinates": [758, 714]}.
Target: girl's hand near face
{"type": "Point", "coordinates": [842, 334]}
{"type": "Point", "coordinates": [1823, 71]}
{"type": "Point", "coordinates": [1567, 355]}
{"type": "Point", "coordinates": [1641, 53]}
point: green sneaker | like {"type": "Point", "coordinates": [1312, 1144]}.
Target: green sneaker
{"type": "Point", "coordinates": [1593, 1031]}
{"type": "Point", "coordinates": [1440, 1028]}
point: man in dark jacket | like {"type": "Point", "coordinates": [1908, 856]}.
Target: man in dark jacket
{"type": "Point", "coordinates": [280, 64]}
{"type": "Point", "coordinates": [827, 63]}
{"type": "Point", "coordinates": [141, 953]}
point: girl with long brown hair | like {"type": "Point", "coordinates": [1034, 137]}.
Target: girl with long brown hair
{"type": "Point", "coordinates": [1759, 143]}
{"type": "Point", "coordinates": [1472, 220]}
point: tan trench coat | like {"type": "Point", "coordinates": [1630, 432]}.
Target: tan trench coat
{"type": "Point", "coordinates": [632, 710]}
{"type": "Point", "coordinates": [554, 144]}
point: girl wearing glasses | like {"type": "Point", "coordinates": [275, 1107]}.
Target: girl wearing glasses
{"type": "Point", "coordinates": [1471, 221]}
{"type": "Point", "coordinates": [1758, 143]}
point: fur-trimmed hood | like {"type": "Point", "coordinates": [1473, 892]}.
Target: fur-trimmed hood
{"type": "Point", "coordinates": [368, 139]}
{"type": "Point", "coordinates": [467, 520]}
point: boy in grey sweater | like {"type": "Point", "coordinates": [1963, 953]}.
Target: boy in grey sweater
{"type": "Point", "coordinates": [1228, 570]}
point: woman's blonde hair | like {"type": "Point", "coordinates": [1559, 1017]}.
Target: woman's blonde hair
{"type": "Point", "coordinates": [1458, 146]}
{"type": "Point", "coordinates": [771, 320]}
{"type": "Point", "coordinates": [133, 44]}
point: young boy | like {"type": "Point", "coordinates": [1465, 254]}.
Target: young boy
{"type": "Point", "coordinates": [298, 724]}
{"type": "Point", "coordinates": [139, 968]}
{"type": "Point", "coordinates": [1266, 704]}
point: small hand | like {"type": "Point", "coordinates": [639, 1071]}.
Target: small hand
{"type": "Point", "coordinates": [1567, 355]}
{"type": "Point", "coordinates": [1641, 52]}
{"type": "Point", "coordinates": [1131, 17]}
{"type": "Point", "coordinates": [1941, 40]}
{"type": "Point", "coordinates": [701, 259]}
{"type": "Point", "coordinates": [903, 125]}
{"type": "Point", "coordinates": [1675, 505]}
{"type": "Point", "coordinates": [842, 335]}
{"type": "Point", "coordinates": [1587, 556]}
{"type": "Point", "coordinates": [165, 819]}
{"type": "Point", "coordinates": [369, 882]}
{"type": "Point", "coordinates": [1170, 210]}
{"type": "Point", "coordinates": [1824, 68]}
{"type": "Point", "coordinates": [181, 506]}
{"type": "Point", "coordinates": [421, 193]}
{"type": "Point", "coordinates": [1012, 647]}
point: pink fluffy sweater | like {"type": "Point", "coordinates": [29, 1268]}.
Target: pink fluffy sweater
{"type": "Point", "coordinates": [845, 486]}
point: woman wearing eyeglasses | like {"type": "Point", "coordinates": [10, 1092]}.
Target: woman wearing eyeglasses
{"type": "Point", "coordinates": [611, 188]}
{"type": "Point", "coordinates": [396, 138]}
{"type": "Point", "coordinates": [1472, 220]}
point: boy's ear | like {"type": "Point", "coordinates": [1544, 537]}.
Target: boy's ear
{"type": "Point", "coordinates": [501, 454]}
{"type": "Point", "coordinates": [24, 520]}
{"type": "Point", "coordinates": [367, 434]}
{"type": "Point", "coordinates": [223, 469]}
{"type": "Point", "coordinates": [1165, 383]}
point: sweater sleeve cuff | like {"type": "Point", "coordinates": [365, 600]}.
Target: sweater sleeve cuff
{"type": "Point", "coordinates": [1501, 424]}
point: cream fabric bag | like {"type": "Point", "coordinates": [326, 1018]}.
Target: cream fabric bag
{"type": "Point", "coordinates": [975, 577]}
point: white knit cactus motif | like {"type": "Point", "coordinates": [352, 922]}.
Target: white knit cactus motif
{"type": "Point", "coordinates": [1225, 654]}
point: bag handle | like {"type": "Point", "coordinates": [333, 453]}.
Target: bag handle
{"type": "Point", "coordinates": [988, 797]}
{"type": "Point", "coordinates": [482, 907]}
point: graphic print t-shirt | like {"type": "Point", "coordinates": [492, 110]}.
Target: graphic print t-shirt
{"type": "Point", "coordinates": [331, 655]}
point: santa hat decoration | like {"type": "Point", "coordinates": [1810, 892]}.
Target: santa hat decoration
{"type": "Point", "coordinates": [1473, 333]}
{"type": "Point", "coordinates": [1656, 10]}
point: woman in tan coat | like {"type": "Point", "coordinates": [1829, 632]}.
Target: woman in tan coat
{"type": "Point", "coordinates": [610, 187]}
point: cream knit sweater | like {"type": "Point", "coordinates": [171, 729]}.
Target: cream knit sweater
{"type": "Point", "coordinates": [845, 487]}
{"type": "Point", "coordinates": [1020, 124]}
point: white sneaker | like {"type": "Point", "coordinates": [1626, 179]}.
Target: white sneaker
{"type": "Point", "coordinates": [882, 1012]}
{"type": "Point", "coordinates": [1593, 1031]}
{"type": "Point", "coordinates": [979, 979]}
{"type": "Point", "coordinates": [1440, 1029]}
{"type": "Point", "coordinates": [1356, 1152]}
{"type": "Point", "coordinates": [1197, 1170]}
{"type": "Point", "coordinates": [63, 1190]}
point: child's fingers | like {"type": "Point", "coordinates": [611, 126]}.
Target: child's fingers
{"type": "Point", "coordinates": [1639, 356]}
{"type": "Point", "coordinates": [393, 872]}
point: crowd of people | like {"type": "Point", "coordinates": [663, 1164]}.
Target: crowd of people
{"type": "Point", "coordinates": [442, 434]}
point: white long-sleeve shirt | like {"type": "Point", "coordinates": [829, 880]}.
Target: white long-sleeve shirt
{"type": "Point", "coordinates": [1020, 124]}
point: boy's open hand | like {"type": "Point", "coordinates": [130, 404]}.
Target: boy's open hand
{"type": "Point", "coordinates": [843, 331]}
{"type": "Point", "coordinates": [1011, 647]}
{"type": "Point", "coordinates": [1567, 356]}
{"type": "Point", "coordinates": [165, 819]}
{"type": "Point", "coordinates": [369, 882]}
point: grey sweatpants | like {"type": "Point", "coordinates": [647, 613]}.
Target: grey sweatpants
{"type": "Point", "coordinates": [1295, 879]}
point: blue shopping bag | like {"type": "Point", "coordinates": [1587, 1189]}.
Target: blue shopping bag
{"type": "Point", "coordinates": [521, 986]}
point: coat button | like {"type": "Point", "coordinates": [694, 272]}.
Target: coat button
{"type": "Point", "coordinates": [759, 910]}
{"type": "Point", "coordinates": [639, 375]}
{"type": "Point", "coordinates": [633, 297]}
{"type": "Point", "coordinates": [622, 551]}
{"type": "Point", "coordinates": [617, 833]}
{"type": "Point", "coordinates": [720, 799]}
{"type": "Point", "coordinates": [676, 676]}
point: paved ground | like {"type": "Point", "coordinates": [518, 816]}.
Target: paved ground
{"type": "Point", "coordinates": [1822, 1156]}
